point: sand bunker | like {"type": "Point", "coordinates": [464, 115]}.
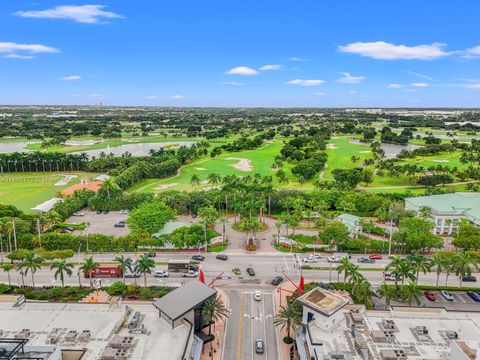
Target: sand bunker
{"type": "Point", "coordinates": [165, 186]}
{"type": "Point", "coordinates": [242, 164]}
{"type": "Point", "coordinates": [331, 146]}
{"type": "Point", "coordinates": [440, 161]}
{"type": "Point", "coordinates": [201, 169]}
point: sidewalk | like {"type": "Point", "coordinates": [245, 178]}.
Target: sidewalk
{"type": "Point", "coordinates": [284, 348]}
{"type": "Point", "coordinates": [213, 350]}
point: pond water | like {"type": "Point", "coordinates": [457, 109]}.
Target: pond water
{"type": "Point", "coordinates": [139, 149]}
{"type": "Point", "coordinates": [16, 146]}
{"type": "Point", "coordinates": [391, 150]}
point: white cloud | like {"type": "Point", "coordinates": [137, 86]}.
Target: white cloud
{"type": "Point", "coordinates": [70, 78]}
{"type": "Point", "coordinates": [242, 70]}
{"type": "Point", "coordinates": [319, 94]}
{"type": "Point", "coordinates": [472, 52]}
{"type": "Point", "coordinates": [473, 86]}
{"type": "Point", "coordinates": [295, 58]}
{"type": "Point", "coordinates": [16, 56]}
{"type": "Point", "coordinates": [303, 82]}
{"type": "Point", "coordinates": [420, 85]}
{"type": "Point", "coordinates": [394, 86]}
{"type": "Point", "coordinates": [231, 83]}
{"type": "Point", "coordinates": [87, 14]}
{"type": "Point", "coordinates": [349, 79]}
{"type": "Point", "coordinates": [386, 51]}
{"type": "Point", "coordinates": [152, 97]}
{"type": "Point", "coordinates": [352, 92]}
{"type": "Point", "coordinates": [273, 67]}
{"type": "Point", "coordinates": [176, 97]}
{"type": "Point", "coordinates": [12, 48]}
{"type": "Point", "coordinates": [423, 76]}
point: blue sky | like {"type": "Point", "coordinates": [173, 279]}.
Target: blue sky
{"type": "Point", "coordinates": [241, 53]}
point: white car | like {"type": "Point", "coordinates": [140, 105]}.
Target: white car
{"type": "Point", "coordinates": [309, 260]}
{"type": "Point", "coordinates": [78, 213]}
{"type": "Point", "coordinates": [334, 259]}
{"type": "Point", "coordinates": [315, 256]}
{"type": "Point", "coordinates": [161, 273]}
{"type": "Point", "coordinates": [190, 273]}
{"type": "Point", "coordinates": [389, 277]}
{"type": "Point", "coordinates": [447, 295]}
{"type": "Point", "coordinates": [257, 296]}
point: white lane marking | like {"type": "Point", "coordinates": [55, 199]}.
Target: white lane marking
{"type": "Point", "coordinates": [251, 309]}
{"type": "Point", "coordinates": [265, 332]}
{"type": "Point", "coordinates": [286, 264]}
{"type": "Point", "coordinates": [276, 329]}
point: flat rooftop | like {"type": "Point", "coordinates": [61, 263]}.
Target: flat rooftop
{"type": "Point", "coordinates": [46, 321]}
{"type": "Point", "coordinates": [323, 301]}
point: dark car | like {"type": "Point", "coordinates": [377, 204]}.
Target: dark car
{"type": "Point", "coordinates": [119, 225]}
{"type": "Point", "coordinates": [198, 257]}
{"type": "Point", "coordinates": [122, 222]}
{"type": "Point", "coordinates": [99, 211]}
{"type": "Point", "coordinates": [106, 211]}
{"type": "Point", "coordinates": [150, 254]}
{"type": "Point", "coordinates": [365, 260]}
{"type": "Point", "coordinates": [250, 271]}
{"type": "Point", "coordinates": [277, 280]}
{"type": "Point", "coordinates": [475, 296]}
{"type": "Point", "coordinates": [222, 257]}
{"type": "Point", "coordinates": [259, 346]}
{"type": "Point", "coordinates": [469, 278]}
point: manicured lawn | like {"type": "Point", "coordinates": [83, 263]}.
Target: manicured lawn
{"type": "Point", "coordinates": [261, 161]}
{"type": "Point", "coordinates": [26, 190]}
{"type": "Point", "coordinates": [444, 159]}
{"type": "Point", "coordinates": [340, 156]}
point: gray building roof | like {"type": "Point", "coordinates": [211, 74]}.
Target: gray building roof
{"type": "Point", "coordinates": [183, 299]}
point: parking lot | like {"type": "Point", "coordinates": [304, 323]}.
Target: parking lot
{"type": "Point", "coordinates": [461, 302]}
{"type": "Point", "coordinates": [100, 223]}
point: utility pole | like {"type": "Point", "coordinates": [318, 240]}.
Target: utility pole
{"type": "Point", "coordinates": [390, 238]}
{"type": "Point", "coordinates": [14, 233]}
{"type": "Point", "coordinates": [38, 231]}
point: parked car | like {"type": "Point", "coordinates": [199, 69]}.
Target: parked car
{"type": "Point", "coordinates": [277, 280]}
{"type": "Point", "coordinates": [257, 296]}
{"type": "Point", "coordinates": [78, 213]}
{"type": "Point", "coordinates": [375, 257]}
{"type": "Point", "coordinates": [389, 277]}
{"type": "Point", "coordinates": [236, 271]}
{"type": "Point", "coordinates": [150, 254]}
{"type": "Point", "coordinates": [190, 273]}
{"type": "Point", "coordinates": [119, 225]}
{"type": "Point", "coordinates": [222, 257]}
{"type": "Point", "coordinates": [259, 346]}
{"type": "Point", "coordinates": [315, 256]}
{"type": "Point", "coordinates": [429, 295]}
{"type": "Point", "coordinates": [365, 260]}
{"type": "Point", "coordinates": [250, 271]}
{"type": "Point", "coordinates": [334, 259]}
{"type": "Point", "coordinates": [122, 222]}
{"type": "Point", "coordinates": [475, 296]}
{"type": "Point", "coordinates": [469, 278]}
{"type": "Point", "coordinates": [447, 295]}
{"type": "Point", "coordinates": [309, 260]}
{"type": "Point", "coordinates": [161, 273]}
{"type": "Point", "coordinates": [198, 257]}
{"type": "Point", "coordinates": [106, 211]}
{"type": "Point", "coordinates": [99, 212]}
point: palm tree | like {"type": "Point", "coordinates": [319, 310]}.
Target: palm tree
{"type": "Point", "coordinates": [145, 266]}
{"type": "Point", "coordinates": [410, 293]}
{"type": "Point", "coordinates": [7, 268]}
{"type": "Point", "coordinates": [214, 178]}
{"type": "Point", "coordinates": [109, 185]}
{"type": "Point", "coordinates": [462, 265]}
{"type": "Point", "coordinates": [125, 263]}
{"type": "Point", "coordinates": [289, 317]}
{"type": "Point", "coordinates": [345, 267]}
{"type": "Point", "coordinates": [401, 268]}
{"type": "Point", "coordinates": [388, 292]}
{"type": "Point", "coordinates": [62, 268]}
{"type": "Point", "coordinates": [362, 290]}
{"type": "Point", "coordinates": [195, 181]}
{"type": "Point", "coordinates": [223, 221]}
{"type": "Point", "coordinates": [214, 310]}
{"type": "Point", "coordinates": [420, 263]}
{"type": "Point", "coordinates": [441, 264]}
{"type": "Point", "coordinates": [88, 267]}
{"type": "Point", "coordinates": [30, 263]}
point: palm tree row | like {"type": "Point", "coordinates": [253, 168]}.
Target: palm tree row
{"type": "Point", "coordinates": [31, 263]}
{"type": "Point", "coordinates": [42, 161]}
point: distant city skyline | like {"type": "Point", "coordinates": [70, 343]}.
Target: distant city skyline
{"type": "Point", "coordinates": [240, 53]}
